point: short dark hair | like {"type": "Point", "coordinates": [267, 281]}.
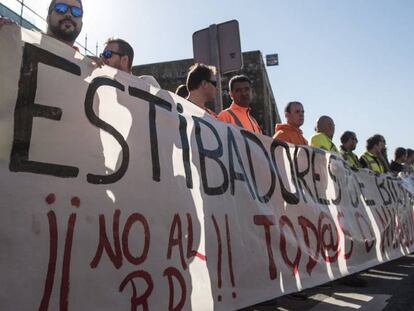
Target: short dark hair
{"type": "Point", "coordinates": [347, 135]}
{"type": "Point", "coordinates": [399, 153]}
{"type": "Point", "coordinates": [182, 90]}
{"type": "Point", "coordinates": [290, 104]}
{"type": "Point", "coordinates": [198, 73]}
{"type": "Point", "coordinates": [374, 140]}
{"type": "Point", "coordinates": [124, 48]}
{"type": "Point", "coordinates": [410, 152]}
{"type": "Point", "coordinates": [239, 78]}
{"type": "Point", "coordinates": [52, 5]}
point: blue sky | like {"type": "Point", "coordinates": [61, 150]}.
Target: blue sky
{"type": "Point", "coordinates": [350, 59]}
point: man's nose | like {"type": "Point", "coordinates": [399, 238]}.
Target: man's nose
{"type": "Point", "coordinates": [68, 15]}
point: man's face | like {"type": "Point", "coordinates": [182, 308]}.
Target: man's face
{"type": "Point", "coordinates": [296, 116]}
{"type": "Point", "coordinates": [379, 148]}
{"type": "Point", "coordinates": [353, 143]}
{"type": "Point", "coordinates": [210, 89]}
{"type": "Point", "coordinates": [410, 159]}
{"type": "Point", "coordinates": [330, 129]}
{"type": "Point", "coordinates": [116, 59]}
{"type": "Point", "coordinates": [241, 93]}
{"type": "Point", "coordinates": [65, 26]}
{"type": "Point", "coordinates": [382, 144]}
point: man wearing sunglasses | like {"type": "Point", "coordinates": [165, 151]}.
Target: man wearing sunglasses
{"type": "Point", "coordinates": [201, 85]}
{"type": "Point", "coordinates": [64, 20]}
{"type": "Point", "coordinates": [118, 54]}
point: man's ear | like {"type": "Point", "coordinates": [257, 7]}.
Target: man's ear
{"type": "Point", "coordinates": [125, 61]}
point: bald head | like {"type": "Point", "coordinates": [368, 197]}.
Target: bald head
{"type": "Point", "coordinates": [326, 125]}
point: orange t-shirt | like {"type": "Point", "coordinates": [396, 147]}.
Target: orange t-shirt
{"type": "Point", "coordinates": [290, 134]}
{"type": "Point", "coordinates": [240, 116]}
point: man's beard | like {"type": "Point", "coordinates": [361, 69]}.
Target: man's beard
{"type": "Point", "coordinates": [67, 36]}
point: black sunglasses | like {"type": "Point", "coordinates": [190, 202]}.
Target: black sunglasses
{"type": "Point", "coordinates": [212, 82]}
{"type": "Point", "coordinates": [62, 8]}
{"type": "Point", "coordinates": [108, 54]}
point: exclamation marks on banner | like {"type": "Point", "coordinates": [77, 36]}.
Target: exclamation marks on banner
{"type": "Point", "coordinates": [64, 286]}
{"type": "Point", "coordinates": [51, 268]}
{"type": "Point", "coordinates": [227, 242]}
{"type": "Point", "coordinates": [53, 249]}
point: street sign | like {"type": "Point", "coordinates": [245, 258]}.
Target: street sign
{"type": "Point", "coordinates": [272, 60]}
{"type": "Point", "coordinates": [219, 46]}
{"type": "Point", "coordinates": [222, 39]}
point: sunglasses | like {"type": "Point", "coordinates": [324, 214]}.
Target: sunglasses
{"type": "Point", "coordinates": [108, 54]}
{"type": "Point", "coordinates": [62, 8]}
{"type": "Point", "coordinates": [212, 82]}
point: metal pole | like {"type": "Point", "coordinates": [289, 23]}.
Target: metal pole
{"type": "Point", "coordinates": [86, 43]}
{"type": "Point", "coordinates": [21, 13]}
{"type": "Point", "coordinates": [215, 57]}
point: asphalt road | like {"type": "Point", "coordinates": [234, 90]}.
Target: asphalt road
{"type": "Point", "coordinates": [389, 286]}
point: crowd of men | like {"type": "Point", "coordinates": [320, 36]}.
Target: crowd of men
{"type": "Point", "coordinates": [374, 158]}
{"type": "Point", "coordinates": [64, 23]}
{"type": "Point", "coordinates": [200, 89]}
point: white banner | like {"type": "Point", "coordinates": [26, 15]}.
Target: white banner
{"type": "Point", "coordinates": [116, 195]}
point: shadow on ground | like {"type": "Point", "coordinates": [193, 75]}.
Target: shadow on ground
{"type": "Point", "coordinates": [387, 287]}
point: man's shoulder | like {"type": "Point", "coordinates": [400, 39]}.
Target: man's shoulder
{"type": "Point", "coordinates": [229, 111]}
{"type": "Point", "coordinates": [353, 154]}
{"type": "Point", "coordinates": [395, 166]}
{"type": "Point", "coordinates": [150, 80]}
{"type": "Point", "coordinates": [224, 115]}
{"type": "Point", "coordinates": [279, 133]}
{"type": "Point", "coordinates": [224, 112]}
{"type": "Point", "coordinates": [320, 140]}
{"type": "Point", "coordinates": [317, 138]}
{"type": "Point", "coordinates": [211, 113]}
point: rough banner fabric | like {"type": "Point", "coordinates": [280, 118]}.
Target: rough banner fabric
{"type": "Point", "coordinates": [117, 195]}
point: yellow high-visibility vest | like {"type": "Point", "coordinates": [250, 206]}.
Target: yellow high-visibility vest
{"type": "Point", "coordinates": [321, 140]}
{"type": "Point", "coordinates": [351, 158]}
{"type": "Point", "coordinates": [372, 162]}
